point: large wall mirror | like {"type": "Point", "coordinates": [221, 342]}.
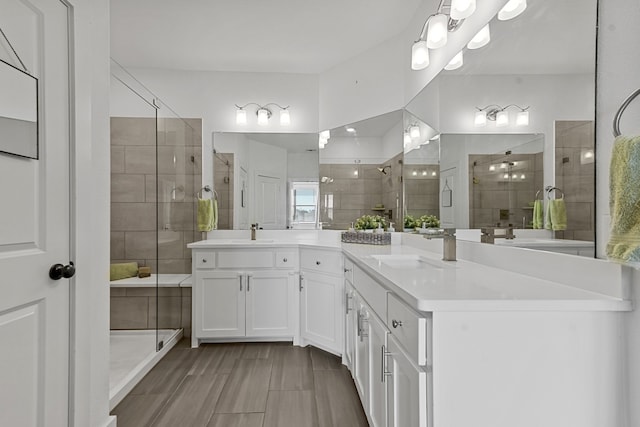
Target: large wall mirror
{"type": "Point", "coordinates": [266, 178]}
{"type": "Point", "coordinates": [496, 169]}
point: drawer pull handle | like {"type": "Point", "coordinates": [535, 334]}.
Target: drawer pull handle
{"type": "Point", "coordinates": [395, 323]}
{"type": "Point", "coordinates": [317, 262]}
{"type": "Point", "coordinates": [248, 283]}
{"type": "Point", "coordinates": [204, 260]}
{"type": "Point", "coordinates": [300, 283]}
{"type": "Point", "coordinates": [384, 373]}
{"type": "Point", "coordinates": [284, 260]}
{"type": "Point", "coordinates": [347, 304]}
{"type": "Point", "coordinates": [240, 277]}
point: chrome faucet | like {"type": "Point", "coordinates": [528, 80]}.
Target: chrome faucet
{"type": "Point", "coordinates": [489, 234]}
{"type": "Point", "coordinates": [254, 227]}
{"type": "Point", "coordinates": [448, 236]}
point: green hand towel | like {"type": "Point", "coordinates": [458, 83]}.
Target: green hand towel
{"type": "Point", "coordinates": [538, 217]}
{"type": "Point", "coordinates": [624, 202]}
{"type": "Point", "coordinates": [205, 214]}
{"type": "Point", "coordinates": [558, 214]}
{"type": "Point", "coordinates": [214, 218]}
{"type": "Point", "coordinates": [547, 216]}
{"type": "Point", "coordinates": [123, 270]}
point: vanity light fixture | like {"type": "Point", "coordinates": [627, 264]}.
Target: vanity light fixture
{"type": "Point", "coordinates": [434, 173]}
{"type": "Point", "coordinates": [435, 30]}
{"type": "Point", "coordinates": [588, 154]}
{"type": "Point", "coordinates": [512, 9]}
{"type": "Point", "coordinates": [263, 113]}
{"type": "Point", "coordinates": [325, 134]}
{"type": "Point", "coordinates": [414, 173]}
{"type": "Point", "coordinates": [506, 176]}
{"type": "Point", "coordinates": [455, 63]}
{"type": "Point", "coordinates": [406, 138]}
{"type": "Point", "coordinates": [350, 130]}
{"type": "Point", "coordinates": [424, 173]}
{"type": "Point", "coordinates": [481, 38]}
{"type": "Point", "coordinates": [414, 131]}
{"type": "Point", "coordinates": [461, 9]}
{"type": "Point", "coordinates": [522, 176]}
{"type": "Point", "coordinates": [498, 114]}
{"type": "Point", "coordinates": [492, 168]}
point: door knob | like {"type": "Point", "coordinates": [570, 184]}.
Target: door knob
{"type": "Point", "coordinates": [58, 271]}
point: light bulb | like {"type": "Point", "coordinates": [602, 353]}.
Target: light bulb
{"type": "Point", "coordinates": [492, 168]}
{"type": "Point", "coordinates": [522, 118]}
{"type": "Point", "coordinates": [522, 176]}
{"type": "Point", "coordinates": [461, 9]}
{"type": "Point", "coordinates": [285, 118]}
{"type": "Point", "coordinates": [419, 55]}
{"type": "Point", "coordinates": [355, 172]}
{"type": "Point", "coordinates": [434, 173]}
{"type": "Point", "coordinates": [455, 63]}
{"type": "Point", "coordinates": [241, 116]}
{"type": "Point", "coordinates": [482, 38]}
{"type": "Point", "coordinates": [263, 117]}
{"type": "Point", "coordinates": [588, 154]}
{"type": "Point", "coordinates": [424, 173]}
{"type": "Point", "coordinates": [414, 131]}
{"type": "Point", "coordinates": [414, 173]}
{"type": "Point", "coordinates": [512, 9]}
{"type": "Point", "coordinates": [505, 176]}
{"type": "Point", "coordinates": [503, 166]}
{"type": "Point", "coordinates": [407, 138]}
{"type": "Point", "coordinates": [350, 130]}
{"type": "Point", "coordinates": [502, 119]}
{"type": "Point", "coordinates": [481, 118]}
{"type": "Point", "coordinates": [437, 31]}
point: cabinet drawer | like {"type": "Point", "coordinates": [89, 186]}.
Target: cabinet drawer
{"type": "Point", "coordinates": [205, 260]}
{"type": "Point", "coordinates": [372, 292]}
{"type": "Point", "coordinates": [321, 261]}
{"type": "Point", "coordinates": [348, 270]}
{"type": "Point", "coordinates": [287, 259]}
{"type": "Point", "coordinates": [245, 259]}
{"type": "Point", "coordinates": [409, 328]}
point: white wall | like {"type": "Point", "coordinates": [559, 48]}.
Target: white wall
{"type": "Point", "coordinates": [618, 76]}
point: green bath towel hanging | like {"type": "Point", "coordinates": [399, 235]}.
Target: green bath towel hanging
{"type": "Point", "coordinates": [538, 214]}
{"type": "Point", "coordinates": [205, 215]}
{"type": "Point", "coordinates": [624, 202]}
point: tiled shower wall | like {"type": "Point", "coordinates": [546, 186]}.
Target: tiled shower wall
{"type": "Point", "coordinates": [135, 191]}
{"type": "Point", "coordinates": [223, 183]}
{"type": "Point", "coordinates": [350, 191]}
{"type": "Point", "coordinates": [575, 176]}
{"type": "Point", "coordinates": [495, 199]}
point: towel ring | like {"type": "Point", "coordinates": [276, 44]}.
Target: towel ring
{"type": "Point", "coordinates": [625, 104]}
{"type": "Point", "coordinates": [206, 189]}
{"type": "Point", "coordinates": [550, 189]}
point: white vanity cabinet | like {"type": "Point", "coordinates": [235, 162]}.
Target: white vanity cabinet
{"type": "Point", "coordinates": [321, 299]}
{"type": "Point", "coordinates": [244, 294]}
{"type": "Point", "coordinates": [392, 354]}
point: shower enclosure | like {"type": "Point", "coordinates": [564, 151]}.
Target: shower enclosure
{"type": "Point", "coordinates": [156, 172]}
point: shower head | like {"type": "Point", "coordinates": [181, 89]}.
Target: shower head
{"type": "Point", "coordinates": [384, 169]}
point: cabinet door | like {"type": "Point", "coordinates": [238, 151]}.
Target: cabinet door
{"type": "Point", "coordinates": [270, 304]}
{"type": "Point", "coordinates": [321, 311]}
{"type": "Point", "coordinates": [350, 327]}
{"type": "Point", "coordinates": [407, 390]}
{"type": "Point", "coordinates": [361, 376]}
{"type": "Point", "coordinates": [378, 334]}
{"type": "Point", "coordinates": [219, 304]}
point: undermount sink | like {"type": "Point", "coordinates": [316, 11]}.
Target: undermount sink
{"type": "Point", "coordinates": [252, 241]}
{"type": "Point", "coordinates": [411, 261]}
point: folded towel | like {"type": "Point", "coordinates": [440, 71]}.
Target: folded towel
{"type": "Point", "coordinates": [205, 214]}
{"type": "Point", "coordinates": [558, 214]}
{"type": "Point", "coordinates": [214, 220]}
{"type": "Point", "coordinates": [123, 270]}
{"type": "Point", "coordinates": [538, 209]}
{"type": "Point", "coordinates": [624, 201]}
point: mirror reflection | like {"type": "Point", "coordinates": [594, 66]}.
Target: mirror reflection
{"type": "Point", "coordinates": [361, 172]}
{"type": "Point", "coordinates": [266, 178]}
{"type": "Point", "coordinates": [533, 65]}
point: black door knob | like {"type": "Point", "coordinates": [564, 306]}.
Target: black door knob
{"type": "Point", "coordinates": [58, 271]}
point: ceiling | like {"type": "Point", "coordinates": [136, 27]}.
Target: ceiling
{"type": "Point", "coordinates": [283, 36]}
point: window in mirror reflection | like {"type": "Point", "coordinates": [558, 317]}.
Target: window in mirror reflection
{"type": "Point", "coordinates": [304, 202]}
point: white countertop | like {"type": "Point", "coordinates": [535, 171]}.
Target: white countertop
{"type": "Point", "coordinates": [467, 286]}
{"type": "Point", "coordinates": [449, 286]}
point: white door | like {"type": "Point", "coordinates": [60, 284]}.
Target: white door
{"type": "Point", "coordinates": [269, 213]}
{"type": "Point", "coordinates": [270, 304]}
{"type": "Point", "coordinates": [407, 390]}
{"type": "Point", "coordinates": [361, 376]}
{"type": "Point", "coordinates": [321, 311]}
{"type": "Point", "coordinates": [350, 328]}
{"type": "Point", "coordinates": [34, 226]}
{"type": "Point", "coordinates": [220, 309]}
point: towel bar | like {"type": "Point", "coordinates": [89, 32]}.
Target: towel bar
{"type": "Point", "coordinates": [549, 189]}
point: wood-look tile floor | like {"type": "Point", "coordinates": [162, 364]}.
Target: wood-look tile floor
{"type": "Point", "coordinates": [244, 385]}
